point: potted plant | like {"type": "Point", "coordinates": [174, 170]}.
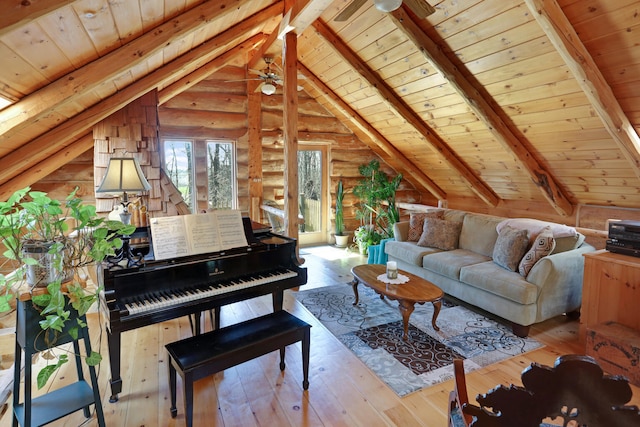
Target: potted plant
{"type": "Point", "coordinates": [365, 236]}
{"type": "Point", "coordinates": [377, 209]}
{"type": "Point", "coordinates": [341, 237]}
{"type": "Point", "coordinates": [47, 245]}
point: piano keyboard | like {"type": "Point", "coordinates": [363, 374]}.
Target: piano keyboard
{"type": "Point", "coordinates": [165, 299]}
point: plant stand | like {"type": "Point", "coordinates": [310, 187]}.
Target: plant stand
{"type": "Point", "coordinates": [59, 403]}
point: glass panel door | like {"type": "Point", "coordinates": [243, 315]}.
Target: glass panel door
{"type": "Point", "coordinates": [312, 198]}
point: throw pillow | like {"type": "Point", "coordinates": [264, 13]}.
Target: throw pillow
{"type": "Point", "coordinates": [416, 223]}
{"type": "Point", "coordinates": [441, 234]}
{"type": "Point", "coordinates": [543, 245]}
{"type": "Point", "coordinates": [510, 247]}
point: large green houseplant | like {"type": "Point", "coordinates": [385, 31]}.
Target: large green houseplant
{"type": "Point", "coordinates": [377, 209]}
{"type": "Point", "coordinates": [340, 235]}
{"type": "Point", "coordinates": [47, 244]}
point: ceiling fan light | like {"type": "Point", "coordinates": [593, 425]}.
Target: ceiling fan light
{"type": "Point", "coordinates": [268, 89]}
{"type": "Point", "coordinates": [387, 5]}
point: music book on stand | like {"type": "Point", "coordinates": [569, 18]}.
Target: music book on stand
{"type": "Point", "coordinates": [183, 235]}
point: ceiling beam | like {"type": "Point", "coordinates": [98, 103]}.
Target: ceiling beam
{"type": "Point", "coordinates": [71, 87]}
{"type": "Point", "coordinates": [542, 178]}
{"type": "Point", "coordinates": [47, 166]}
{"type": "Point", "coordinates": [197, 76]}
{"type": "Point", "coordinates": [567, 42]}
{"type": "Point", "coordinates": [370, 136]}
{"type": "Point", "coordinates": [396, 104]}
{"type": "Point", "coordinates": [17, 13]}
{"type": "Point", "coordinates": [301, 15]}
{"type": "Point", "coordinates": [23, 158]}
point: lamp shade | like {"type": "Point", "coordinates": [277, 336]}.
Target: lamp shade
{"type": "Point", "coordinates": [123, 174]}
{"type": "Point", "coordinates": [387, 5]}
{"type": "Point", "coordinates": [268, 88]}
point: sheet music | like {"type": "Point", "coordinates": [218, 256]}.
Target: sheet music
{"type": "Point", "coordinates": [203, 231]}
{"type": "Point", "coordinates": [169, 238]}
{"type": "Point", "coordinates": [184, 235]}
{"type": "Point", "coordinates": [231, 229]}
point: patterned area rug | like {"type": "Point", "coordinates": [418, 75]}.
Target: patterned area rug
{"type": "Point", "coordinates": [372, 330]}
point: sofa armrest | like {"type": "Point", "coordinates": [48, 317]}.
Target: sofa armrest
{"type": "Point", "coordinates": [401, 231]}
{"type": "Point", "coordinates": [559, 278]}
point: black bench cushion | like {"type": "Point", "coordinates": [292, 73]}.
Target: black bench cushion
{"type": "Point", "coordinates": [244, 337]}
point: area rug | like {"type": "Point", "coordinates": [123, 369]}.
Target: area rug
{"type": "Point", "coordinates": [372, 330]}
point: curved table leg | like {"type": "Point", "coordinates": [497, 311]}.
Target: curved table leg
{"type": "Point", "coordinates": [437, 305]}
{"type": "Point", "coordinates": [354, 284]}
{"type": "Point", "coordinates": [406, 308]}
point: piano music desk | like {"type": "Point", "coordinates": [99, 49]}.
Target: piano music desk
{"type": "Point", "coordinates": [202, 355]}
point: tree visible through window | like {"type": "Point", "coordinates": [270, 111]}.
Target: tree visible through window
{"type": "Point", "coordinates": [182, 168]}
{"type": "Point", "coordinates": [220, 167]}
{"type": "Point", "coordinates": [178, 164]}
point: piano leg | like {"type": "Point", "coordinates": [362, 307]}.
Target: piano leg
{"type": "Point", "coordinates": [278, 298]}
{"type": "Point", "coordinates": [214, 318]}
{"type": "Point", "coordinates": [114, 341]}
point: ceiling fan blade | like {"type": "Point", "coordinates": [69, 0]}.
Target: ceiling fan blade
{"type": "Point", "coordinates": [420, 7]}
{"type": "Point", "coordinates": [241, 80]}
{"type": "Point", "coordinates": [349, 10]}
{"type": "Point", "coordinates": [258, 72]}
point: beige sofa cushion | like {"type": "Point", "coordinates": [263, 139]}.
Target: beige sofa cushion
{"type": "Point", "coordinates": [479, 233]}
{"type": "Point", "coordinates": [449, 263]}
{"type": "Point", "coordinates": [440, 234]}
{"type": "Point", "coordinates": [507, 284]}
{"type": "Point", "coordinates": [416, 223]}
{"type": "Point", "coordinates": [510, 247]}
{"type": "Point", "coordinates": [408, 252]}
{"type": "Point", "coordinates": [543, 245]}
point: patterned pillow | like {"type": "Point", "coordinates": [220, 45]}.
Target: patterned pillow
{"type": "Point", "coordinates": [510, 247]}
{"type": "Point", "coordinates": [416, 223]}
{"type": "Point", "coordinates": [441, 234]}
{"type": "Point", "coordinates": [543, 245]}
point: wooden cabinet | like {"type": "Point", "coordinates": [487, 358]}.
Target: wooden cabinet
{"type": "Point", "coordinates": [611, 291]}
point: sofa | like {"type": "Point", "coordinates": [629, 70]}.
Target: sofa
{"type": "Point", "coordinates": [521, 270]}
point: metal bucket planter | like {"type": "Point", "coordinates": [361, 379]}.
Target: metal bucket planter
{"type": "Point", "coordinates": [46, 271]}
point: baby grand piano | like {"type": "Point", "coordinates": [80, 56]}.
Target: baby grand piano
{"type": "Point", "coordinates": [162, 290]}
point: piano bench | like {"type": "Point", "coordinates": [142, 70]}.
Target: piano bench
{"type": "Point", "coordinates": [202, 355]}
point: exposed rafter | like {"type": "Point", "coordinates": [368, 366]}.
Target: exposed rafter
{"type": "Point", "coordinates": [543, 179]}
{"type": "Point", "coordinates": [72, 86]}
{"type": "Point", "coordinates": [48, 165]}
{"type": "Point", "coordinates": [567, 42]}
{"type": "Point", "coordinates": [16, 13]}
{"type": "Point", "coordinates": [370, 136]}
{"type": "Point", "coordinates": [37, 150]}
{"type": "Point", "coordinates": [395, 103]}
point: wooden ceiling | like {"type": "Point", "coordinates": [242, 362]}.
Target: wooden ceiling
{"type": "Point", "coordinates": [492, 101]}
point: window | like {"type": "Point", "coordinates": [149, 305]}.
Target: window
{"type": "Point", "coordinates": [186, 160]}
{"type": "Point", "coordinates": [220, 174]}
{"type": "Point", "coordinates": [178, 164]}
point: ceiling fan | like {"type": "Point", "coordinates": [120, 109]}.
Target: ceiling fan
{"type": "Point", "coordinates": [268, 77]}
{"type": "Point", "coordinates": [420, 7]}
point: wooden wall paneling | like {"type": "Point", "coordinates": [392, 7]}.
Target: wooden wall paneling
{"type": "Point", "coordinates": [482, 108]}
{"type": "Point", "coordinates": [565, 39]}
{"type": "Point", "coordinates": [90, 76]}
{"type": "Point", "coordinates": [475, 184]}
{"type": "Point", "coordinates": [369, 135]}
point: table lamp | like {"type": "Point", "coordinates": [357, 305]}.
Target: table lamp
{"type": "Point", "coordinates": [124, 175]}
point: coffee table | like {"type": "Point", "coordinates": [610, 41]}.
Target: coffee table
{"type": "Point", "coordinates": [416, 290]}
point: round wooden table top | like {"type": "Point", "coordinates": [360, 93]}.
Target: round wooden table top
{"type": "Point", "coordinates": [416, 289]}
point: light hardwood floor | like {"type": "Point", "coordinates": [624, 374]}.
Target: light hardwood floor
{"type": "Point", "coordinates": [342, 391]}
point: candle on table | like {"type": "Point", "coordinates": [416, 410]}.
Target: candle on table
{"type": "Point", "coordinates": [392, 270]}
